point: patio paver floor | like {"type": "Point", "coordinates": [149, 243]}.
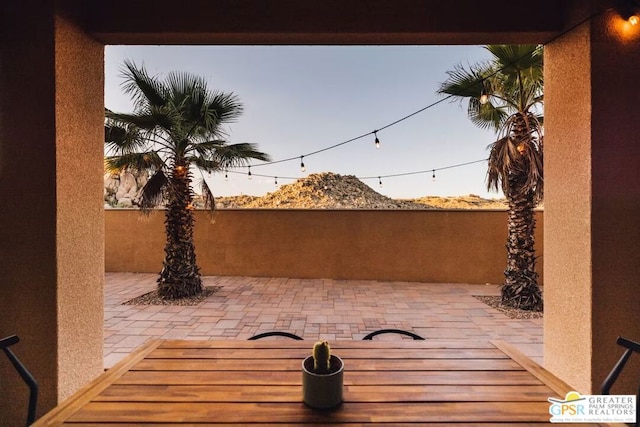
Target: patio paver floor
{"type": "Point", "coordinates": [311, 308]}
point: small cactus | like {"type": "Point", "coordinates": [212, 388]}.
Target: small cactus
{"type": "Point", "coordinates": [321, 357]}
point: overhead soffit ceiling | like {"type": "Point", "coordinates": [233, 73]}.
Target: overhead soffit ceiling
{"type": "Point", "coordinates": [326, 22]}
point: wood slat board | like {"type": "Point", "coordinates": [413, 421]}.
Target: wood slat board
{"type": "Point", "coordinates": [345, 353]}
{"type": "Point", "coordinates": [294, 378]}
{"type": "Point", "coordinates": [351, 365]}
{"type": "Point", "coordinates": [387, 383]}
{"type": "Point", "coordinates": [352, 393]}
{"type": "Point", "coordinates": [288, 343]}
{"type": "Point", "coordinates": [252, 412]}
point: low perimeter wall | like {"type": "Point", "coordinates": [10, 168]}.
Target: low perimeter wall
{"type": "Point", "coordinates": [393, 245]}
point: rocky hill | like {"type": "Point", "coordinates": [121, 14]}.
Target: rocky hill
{"type": "Point", "coordinates": [325, 190]}
{"type": "Point", "coordinates": [463, 202]}
{"type": "Point", "coordinates": [333, 191]}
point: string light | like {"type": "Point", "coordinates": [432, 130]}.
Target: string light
{"type": "Point", "coordinates": [276, 181]}
{"type": "Point", "coordinates": [631, 18]}
{"type": "Point", "coordinates": [433, 177]}
{"type": "Point", "coordinates": [484, 97]}
{"type": "Point", "coordinates": [226, 174]}
{"type": "Point", "coordinates": [628, 11]}
{"type": "Point", "coordinates": [635, 21]}
{"type": "Point", "coordinates": [395, 175]}
{"type": "Point", "coordinates": [379, 177]}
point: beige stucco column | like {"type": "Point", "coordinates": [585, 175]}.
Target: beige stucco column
{"type": "Point", "coordinates": [51, 215]}
{"type": "Point", "coordinates": [592, 200]}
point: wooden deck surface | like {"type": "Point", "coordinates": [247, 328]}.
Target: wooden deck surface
{"type": "Point", "coordinates": [387, 383]}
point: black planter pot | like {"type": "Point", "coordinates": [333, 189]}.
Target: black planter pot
{"type": "Point", "coordinates": [322, 391]}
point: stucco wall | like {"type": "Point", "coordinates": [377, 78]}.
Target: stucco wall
{"type": "Point", "coordinates": [51, 137]}
{"type": "Point", "coordinates": [428, 246]}
{"type": "Point", "coordinates": [593, 256]}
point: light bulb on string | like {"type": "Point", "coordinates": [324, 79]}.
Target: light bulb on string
{"type": "Point", "coordinates": [380, 182]}
{"type": "Point", "coordinates": [209, 173]}
{"type": "Point", "coordinates": [226, 175]}
{"type": "Point", "coordinates": [249, 173]}
{"type": "Point", "coordinates": [377, 141]}
{"type": "Point", "coordinates": [302, 167]}
{"type": "Point", "coordinates": [484, 97]}
{"type": "Point", "coordinates": [628, 12]}
{"type": "Point", "coordinates": [276, 181]}
{"type": "Point", "coordinates": [433, 177]}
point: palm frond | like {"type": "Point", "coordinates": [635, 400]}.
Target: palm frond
{"type": "Point", "coordinates": [502, 156]}
{"type": "Point", "coordinates": [513, 58]}
{"type": "Point", "coordinates": [122, 138]}
{"type": "Point", "coordinates": [224, 107]}
{"type": "Point", "coordinates": [237, 154]}
{"type": "Point", "coordinates": [211, 111]}
{"type": "Point", "coordinates": [136, 161]}
{"type": "Point", "coordinates": [195, 109]}
{"type": "Point", "coordinates": [513, 80]}
{"type": "Point", "coordinates": [468, 84]}
{"type": "Point", "coordinates": [182, 87]}
{"type": "Point", "coordinates": [520, 75]}
{"type": "Point", "coordinates": [205, 147]}
{"type": "Point", "coordinates": [147, 161]}
{"type": "Point", "coordinates": [118, 137]}
{"type": "Point", "coordinates": [202, 112]}
{"type": "Point", "coordinates": [517, 159]}
{"type": "Point", "coordinates": [465, 83]}
{"type": "Point", "coordinates": [204, 164]}
{"type": "Point", "coordinates": [147, 120]}
{"type": "Point", "coordinates": [535, 175]}
{"type": "Point", "coordinates": [532, 96]}
{"type": "Point", "coordinates": [532, 157]}
{"type": "Point", "coordinates": [487, 116]}
{"type": "Point", "coordinates": [153, 191]}
{"type": "Point", "coordinates": [216, 154]}
{"type": "Point", "coordinates": [144, 89]}
{"type": "Point", "coordinates": [209, 199]}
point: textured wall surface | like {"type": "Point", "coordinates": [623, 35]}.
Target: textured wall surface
{"type": "Point", "coordinates": [568, 298]}
{"type": "Point", "coordinates": [428, 246]}
{"type": "Point", "coordinates": [80, 216]}
{"type": "Point", "coordinates": [51, 134]}
{"type": "Point", "coordinates": [592, 197]}
{"type": "Point", "coordinates": [615, 71]}
{"type": "Point", "coordinates": [28, 214]}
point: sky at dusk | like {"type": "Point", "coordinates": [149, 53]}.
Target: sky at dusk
{"type": "Point", "coordinates": [301, 99]}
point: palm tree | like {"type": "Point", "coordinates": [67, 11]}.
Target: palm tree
{"type": "Point", "coordinates": [506, 94]}
{"type": "Point", "coordinates": [176, 126]}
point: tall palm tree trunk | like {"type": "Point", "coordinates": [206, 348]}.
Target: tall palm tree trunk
{"type": "Point", "coordinates": [520, 288]}
{"type": "Point", "coordinates": [180, 275]}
